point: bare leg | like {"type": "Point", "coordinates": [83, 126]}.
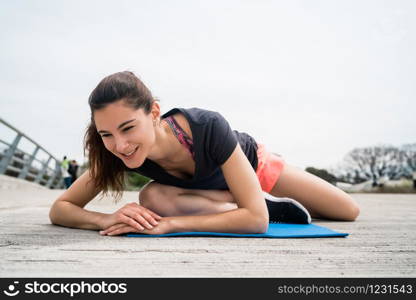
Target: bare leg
{"type": "Point", "coordinates": [168, 200]}
{"type": "Point", "coordinates": [320, 198]}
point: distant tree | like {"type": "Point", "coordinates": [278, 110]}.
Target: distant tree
{"type": "Point", "coordinates": [410, 159]}
{"type": "Point", "coordinates": [372, 163]}
{"type": "Point", "coordinates": [322, 173]}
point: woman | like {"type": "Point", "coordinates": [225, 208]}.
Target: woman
{"type": "Point", "coordinates": [206, 176]}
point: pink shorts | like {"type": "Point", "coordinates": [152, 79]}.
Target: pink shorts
{"type": "Point", "coordinates": [269, 168]}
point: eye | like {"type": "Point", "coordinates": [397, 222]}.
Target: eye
{"type": "Point", "coordinates": [124, 130]}
{"type": "Point", "coordinates": [127, 128]}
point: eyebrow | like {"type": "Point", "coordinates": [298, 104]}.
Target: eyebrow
{"type": "Point", "coordinates": [119, 126]}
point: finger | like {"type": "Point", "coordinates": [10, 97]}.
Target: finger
{"type": "Point", "coordinates": [118, 230]}
{"type": "Point", "coordinates": [115, 226]}
{"type": "Point", "coordinates": [138, 217]}
{"type": "Point", "coordinates": [154, 215]}
{"type": "Point", "coordinates": [112, 227]}
{"type": "Point", "coordinates": [140, 214]}
{"type": "Point", "coordinates": [149, 218]}
{"type": "Point", "coordinates": [130, 220]}
{"type": "Point", "coordinates": [143, 221]}
{"type": "Point", "coordinates": [122, 230]}
{"type": "Point", "coordinates": [141, 207]}
{"type": "Point", "coordinates": [123, 219]}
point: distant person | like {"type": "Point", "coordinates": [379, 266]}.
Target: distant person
{"type": "Point", "coordinates": [65, 174]}
{"type": "Point", "coordinates": [206, 176]}
{"type": "Point", "coordinates": [414, 179]}
{"type": "Point", "coordinates": [73, 170]}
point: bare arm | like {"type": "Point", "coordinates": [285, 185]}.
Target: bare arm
{"type": "Point", "coordinates": [68, 209]}
{"type": "Point", "coordinates": [251, 216]}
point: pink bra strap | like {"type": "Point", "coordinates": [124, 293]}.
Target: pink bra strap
{"type": "Point", "coordinates": [181, 135]}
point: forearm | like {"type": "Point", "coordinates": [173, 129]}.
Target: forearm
{"type": "Point", "coordinates": [67, 214]}
{"type": "Point", "coordinates": [239, 220]}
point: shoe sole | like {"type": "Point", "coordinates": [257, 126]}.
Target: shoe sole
{"type": "Point", "coordinates": [286, 210]}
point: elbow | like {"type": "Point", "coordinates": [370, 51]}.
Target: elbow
{"type": "Point", "coordinates": [53, 213]}
{"type": "Point", "coordinates": [258, 222]}
{"type": "Point", "coordinates": [264, 226]}
{"type": "Point", "coordinates": [261, 224]}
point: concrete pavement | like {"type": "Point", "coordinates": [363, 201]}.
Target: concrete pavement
{"type": "Point", "coordinates": [381, 244]}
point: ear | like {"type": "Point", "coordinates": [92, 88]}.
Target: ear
{"type": "Point", "coordinates": [155, 110]}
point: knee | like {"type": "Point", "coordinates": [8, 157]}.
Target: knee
{"type": "Point", "coordinates": [148, 194]}
{"type": "Point", "coordinates": [352, 211]}
{"type": "Point", "coordinates": [155, 193]}
{"type": "Point", "coordinates": [355, 212]}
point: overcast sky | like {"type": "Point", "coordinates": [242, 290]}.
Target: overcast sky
{"type": "Point", "coordinates": [310, 79]}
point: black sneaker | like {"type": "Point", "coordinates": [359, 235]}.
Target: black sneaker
{"type": "Point", "coordinates": [286, 210]}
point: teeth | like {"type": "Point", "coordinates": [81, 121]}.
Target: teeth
{"type": "Point", "coordinates": [128, 154]}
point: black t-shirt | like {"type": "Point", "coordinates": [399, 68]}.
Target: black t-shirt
{"type": "Point", "coordinates": [214, 142]}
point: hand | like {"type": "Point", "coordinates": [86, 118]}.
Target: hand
{"type": "Point", "coordinates": [132, 214]}
{"type": "Point", "coordinates": [165, 226]}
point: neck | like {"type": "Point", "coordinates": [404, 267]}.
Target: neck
{"type": "Point", "coordinates": [164, 150]}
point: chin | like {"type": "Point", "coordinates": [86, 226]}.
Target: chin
{"type": "Point", "coordinates": [133, 164]}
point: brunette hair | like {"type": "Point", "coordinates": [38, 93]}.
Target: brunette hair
{"type": "Point", "coordinates": [105, 168]}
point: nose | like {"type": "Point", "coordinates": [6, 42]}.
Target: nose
{"type": "Point", "coordinates": [122, 145]}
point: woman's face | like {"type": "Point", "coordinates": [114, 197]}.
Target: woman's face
{"type": "Point", "coordinates": [127, 133]}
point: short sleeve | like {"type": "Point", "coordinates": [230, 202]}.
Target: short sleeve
{"type": "Point", "coordinates": [222, 140]}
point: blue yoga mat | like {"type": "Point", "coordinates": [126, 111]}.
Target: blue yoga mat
{"type": "Point", "coordinates": [274, 231]}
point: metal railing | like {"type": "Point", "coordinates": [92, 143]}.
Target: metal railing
{"type": "Point", "coordinates": [18, 163]}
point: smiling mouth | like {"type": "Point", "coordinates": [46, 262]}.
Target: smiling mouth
{"type": "Point", "coordinates": [127, 155]}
